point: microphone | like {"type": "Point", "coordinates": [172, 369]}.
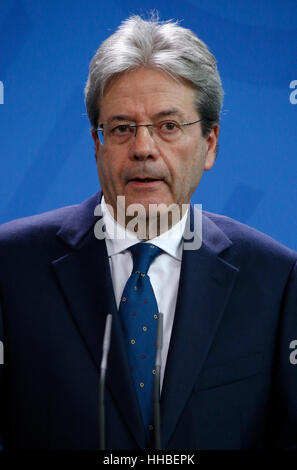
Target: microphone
{"type": "Point", "coordinates": [157, 417]}
{"type": "Point", "coordinates": [103, 368]}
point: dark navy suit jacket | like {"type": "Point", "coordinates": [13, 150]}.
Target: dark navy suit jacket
{"type": "Point", "coordinates": [229, 382]}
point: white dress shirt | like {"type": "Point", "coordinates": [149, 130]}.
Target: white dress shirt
{"type": "Point", "coordinates": [164, 272]}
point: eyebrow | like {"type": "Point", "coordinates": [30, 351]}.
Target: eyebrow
{"type": "Point", "coordinates": [169, 112]}
{"type": "Point", "coordinates": [120, 117]}
{"type": "Point", "coordinates": [160, 114]}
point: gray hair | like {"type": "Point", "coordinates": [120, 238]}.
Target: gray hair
{"type": "Point", "coordinates": [163, 45]}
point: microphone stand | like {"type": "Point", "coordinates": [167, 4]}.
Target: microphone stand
{"type": "Point", "coordinates": [157, 416]}
{"type": "Point", "coordinates": [103, 368]}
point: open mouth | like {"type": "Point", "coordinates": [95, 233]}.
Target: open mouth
{"type": "Point", "coordinates": [148, 183]}
{"type": "Point", "coordinates": [145, 180]}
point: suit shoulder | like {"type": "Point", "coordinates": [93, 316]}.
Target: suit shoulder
{"type": "Point", "coordinates": [249, 239]}
{"type": "Point", "coordinates": [34, 227]}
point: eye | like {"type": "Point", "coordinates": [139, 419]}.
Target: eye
{"type": "Point", "coordinates": [121, 130]}
{"type": "Point", "coordinates": [169, 127]}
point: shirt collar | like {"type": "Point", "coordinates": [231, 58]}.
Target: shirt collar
{"type": "Point", "coordinates": [119, 239]}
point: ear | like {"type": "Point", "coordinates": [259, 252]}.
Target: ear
{"type": "Point", "coordinates": [211, 147]}
{"type": "Point", "coordinates": [96, 141]}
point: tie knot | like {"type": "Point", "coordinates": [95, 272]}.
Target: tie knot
{"type": "Point", "coordinates": [143, 255]}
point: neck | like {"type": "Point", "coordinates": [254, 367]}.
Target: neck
{"type": "Point", "coordinates": [148, 223]}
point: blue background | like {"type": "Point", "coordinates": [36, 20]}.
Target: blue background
{"type": "Point", "coordinates": [47, 155]}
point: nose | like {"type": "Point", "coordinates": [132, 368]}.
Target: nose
{"type": "Point", "coordinates": [143, 145]}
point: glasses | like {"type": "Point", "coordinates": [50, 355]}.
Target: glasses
{"type": "Point", "coordinates": [168, 131]}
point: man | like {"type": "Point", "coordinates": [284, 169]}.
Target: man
{"type": "Point", "coordinates": [153, 98]}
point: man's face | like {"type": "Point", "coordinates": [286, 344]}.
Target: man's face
{"type": "Point", "coordinates": [147, 96]}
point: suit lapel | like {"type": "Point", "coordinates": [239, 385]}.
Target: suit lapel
{"type": "Point", "coordinates": [206, 283]}
{"type": "Point", "coordinates": [84, 277]}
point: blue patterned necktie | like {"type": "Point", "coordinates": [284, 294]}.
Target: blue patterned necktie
{"type": "Point", "coordinates": [139, 315]}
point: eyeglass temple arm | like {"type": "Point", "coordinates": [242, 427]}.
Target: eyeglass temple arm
{"type": "Point", "coordinates": [190, 123]}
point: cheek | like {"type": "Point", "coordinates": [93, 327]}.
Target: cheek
{"type": "Point", "coordinates": [191, 167]}
{"type": "Point", "coordinates": [101, 169]}
{"type": "Point", "coordinates": [198, 157]}
{"type": "Point", "coordinates": [106, 167]}
{"type": "Point", "coordinates": [186, 162]}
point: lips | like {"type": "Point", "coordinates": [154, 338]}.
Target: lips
{"type": "Point", "coordinates": [145, 180]}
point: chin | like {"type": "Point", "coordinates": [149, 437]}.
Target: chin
{"type": "Point", "coordinates": [149, 203]}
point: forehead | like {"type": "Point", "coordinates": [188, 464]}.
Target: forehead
{"type": "Point", "coordinates": [146, 92]}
